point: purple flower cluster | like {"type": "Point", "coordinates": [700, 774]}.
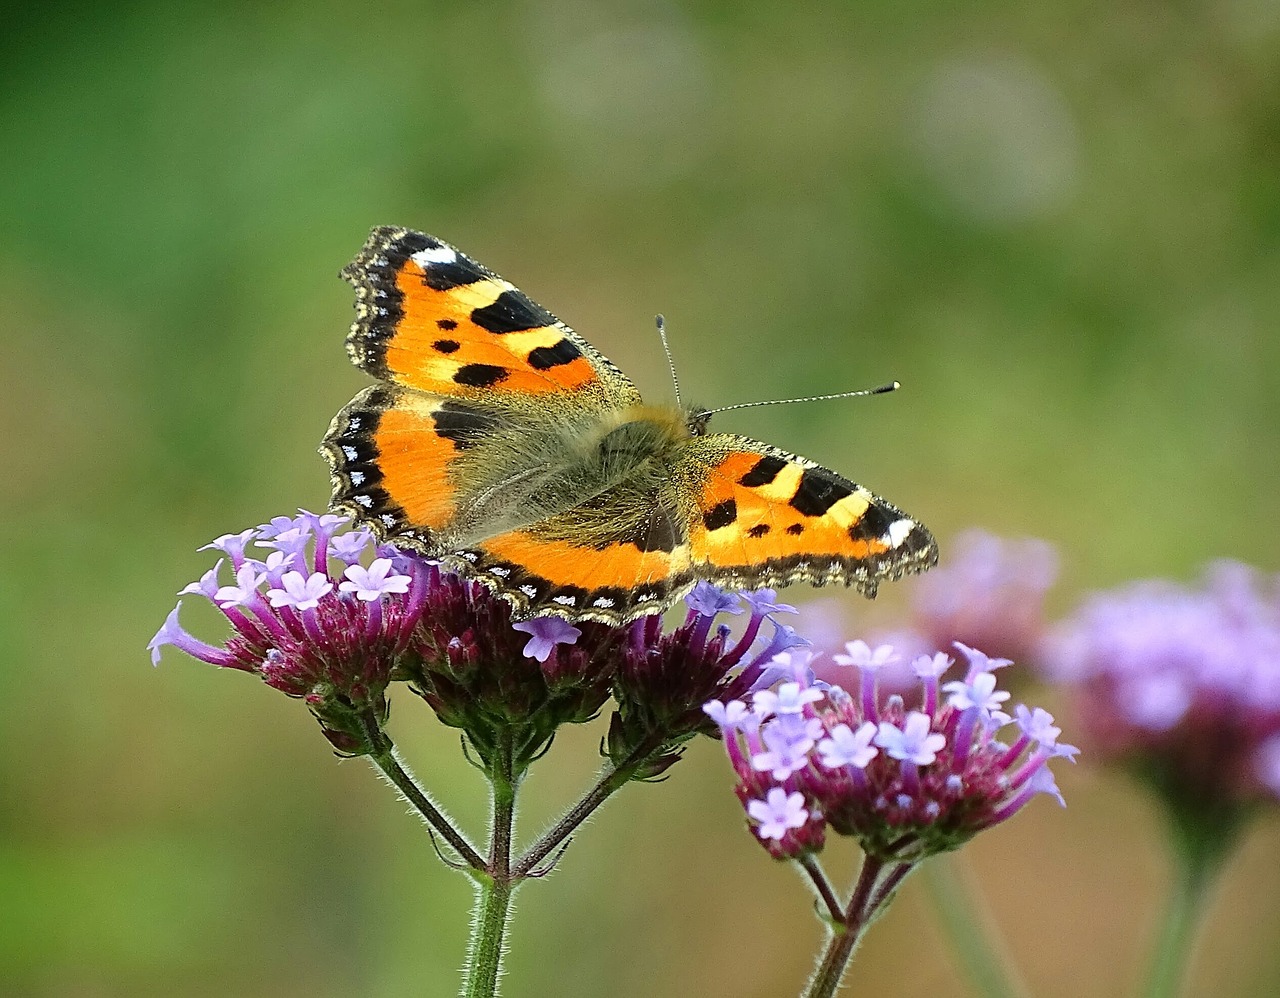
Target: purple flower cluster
{"type": "Point", "coordinates": [905, 781]}
{"type": "Point", "coordinates": [1181, 684]}
{"type": "Point", "coordinates": [308, 618]}
{"type": "Point", "coordinates": [328, 616]}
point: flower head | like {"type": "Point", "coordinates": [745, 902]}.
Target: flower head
{"type": "Point", "coordinates": [331, 618]}
{"type": "Point", "coordinates": [672, 686]}
{"type": "Point", "coordinates": [906, 783]}
{"type": "Point", "coordinates": [293, 625]}
{"type": "Point", "coordinates": [1182, 686]}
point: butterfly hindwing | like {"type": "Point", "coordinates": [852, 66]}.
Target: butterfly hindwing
{"type": "Point", "coordinates": [769, 518]}
{"type": "Point", "coordinates": [431, 318]}
{"type": "Point", "coordinates": [396, 455]}
{"type": "Point", "coordinates": [613, 582]}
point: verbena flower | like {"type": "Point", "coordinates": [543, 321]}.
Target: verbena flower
{"type": "Point", "coordinates": [1182, 686]}
{"type": "Point", "coordinates": [330, 636]}
{"type": "Point", "coordinates": [664, 680]}
{"type": "Point", "coordinates": [313, 620]}
{"type": "Point", "coordinates": [905, 782]}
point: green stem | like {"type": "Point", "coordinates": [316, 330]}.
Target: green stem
{"type": "Point", "coordinates": [1173, 948]}
{"type": "Point", "coordinates": [489, 918]}
{"type": "Point", "coordinates": [492, 909]}
{"type": "Point", "coordinates": [387, 759]}
{"type": "Point", "coordinates": [846, 934]}
{"type": "Point", "coordinates": [818, 876]}
{"type": "Point", "coordinates": [610, 781]}
{"type": "Point", "coordinates": [835, 961]}
{"type": "Point", "coordinates": [968, 927]}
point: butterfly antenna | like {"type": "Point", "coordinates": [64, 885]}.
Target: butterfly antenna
{"type": "Point", "coordinates": [666, 348]}
{"type": "Point", "coordinates": [892, 386]}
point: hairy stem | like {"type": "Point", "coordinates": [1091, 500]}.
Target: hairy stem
{"type": "Point", "coordinates": [846, 933]}
{"type": "Point", "coordinates": [822, 886]}
{"type": "Point", "coordinates": [492, 910]}
{"type": "Point", "coordinates": [387, 759]}
{"type": "Point", "coordinates": [611, 780]}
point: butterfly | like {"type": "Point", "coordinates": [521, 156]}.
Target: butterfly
{"type": "Point", "coordinates": [500, 442]}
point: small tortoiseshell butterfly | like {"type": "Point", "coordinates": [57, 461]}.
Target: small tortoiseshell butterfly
{"type": "Point", "coordinates": [502, 443]}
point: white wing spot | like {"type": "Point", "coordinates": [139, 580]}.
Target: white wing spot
{"type": "Point", "coordinates": [363, 500]}
{"type": "Point", "coordinates": [500, 571]}
{"type": "Point", "coordinates": [603, 601]}
{"type": "Point", "coordinates": [357, 478]}
{"type": "Point", "coordinates": [530, 591]}
{"type": "Point", "coordinates": [563, 600]}
{"type": "Point", "coordinates": [898, 532]}
{"type": "Point", "coordinates": [644, 597]}
{"type": "Point", "coordinates": [387, 520]}
{"type": "Point", "coordinates": [434, 254]}
{"type": "Point", "coordinates": [350, 453]}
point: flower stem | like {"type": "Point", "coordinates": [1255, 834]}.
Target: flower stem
{"type": "Point", "coordinates": [809, 863]}
{"type": "Point", "coordinates": [847, 933]}
{"type": "Point", "coordinates": [835, 961]}
{"type": "Point", "coordinates": [1173, 949]}
{"type": "Point", "coordinates": [611, 779]}
{"type": "Point", "coordinates": [967, 925]}
{"type": "Point", "coordinates": [488, 929]}
{"type": "Point", "coordinates": [387, 759]}
{"type": "Point", "coordinates": [496, 886]}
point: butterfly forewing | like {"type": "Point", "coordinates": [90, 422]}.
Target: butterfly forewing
{"type": "Point", "coordinates": [431, 318]}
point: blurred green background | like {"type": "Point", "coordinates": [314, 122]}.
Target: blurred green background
{"type": "Point", "coordinates": [1057, 224]}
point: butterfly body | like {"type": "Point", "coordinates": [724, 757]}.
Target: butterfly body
{"type": "Point", "coordinates": [502, 443]}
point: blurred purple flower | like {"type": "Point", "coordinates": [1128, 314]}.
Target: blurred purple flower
{"type": "Point", "coordinates": [1180, 684]}
{"type": "Point", "coordinates": [988, 592]}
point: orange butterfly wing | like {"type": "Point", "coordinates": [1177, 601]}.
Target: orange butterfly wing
{"type": "Point", "coordinates": [627, 578]}
{"type": "Point", "coordinates": [429, 317]}
{"type": "Point", "coordinates": [733, 511]}
{"type": "Point", "coordinates": [769, 518]}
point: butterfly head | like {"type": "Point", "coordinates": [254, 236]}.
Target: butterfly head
{"type": "Point", "coordinates": [697, 419]}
